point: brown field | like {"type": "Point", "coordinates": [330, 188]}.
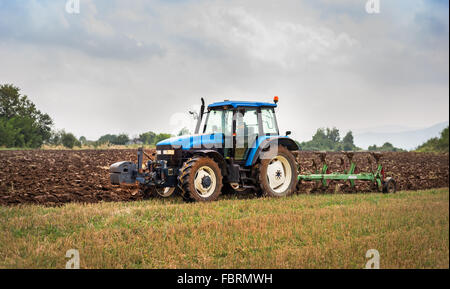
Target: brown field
{"type": "Point", "coordinates": [62, 176]}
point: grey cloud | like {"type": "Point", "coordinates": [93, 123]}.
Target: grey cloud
{"type": "Point", "coordinates": [331, 63]}
{"type": "Point", "coordinates": [94, 31]}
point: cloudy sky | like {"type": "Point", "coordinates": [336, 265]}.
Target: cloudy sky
{"type": "Point", "coordinates": [133, 66]}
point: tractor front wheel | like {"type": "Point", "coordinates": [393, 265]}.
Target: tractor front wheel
{"type": "Point", "coordinates": [200, 180]}
{"type": "Point", "coordinates": [277, 175]}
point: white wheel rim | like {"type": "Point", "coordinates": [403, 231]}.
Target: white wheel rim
{"type": "Point", "coordinates": [205, 172]}
{"type": "Point", "coordinates": [279, 174]}
{"type": "Point", "coordinates": [165, 192]}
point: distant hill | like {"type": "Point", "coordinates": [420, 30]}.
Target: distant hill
{"type": "Point", "coordinates": [405, 139]}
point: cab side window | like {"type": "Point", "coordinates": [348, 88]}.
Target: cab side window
{"type": "Point", "coordinates": [269, 123]}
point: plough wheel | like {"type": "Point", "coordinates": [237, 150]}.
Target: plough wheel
{"type": "Point", "coordinates": [165, 192]}
{"type": "Point", "coordinates": [389, 186]}
{"type": "Point", "coordinates": [200, 180]}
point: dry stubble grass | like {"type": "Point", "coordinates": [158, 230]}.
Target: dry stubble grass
{"type": "Point", "coordinates": [409, 229]}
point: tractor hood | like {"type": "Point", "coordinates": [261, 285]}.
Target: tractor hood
{"type": "Point", "coordinates": [198, 141]}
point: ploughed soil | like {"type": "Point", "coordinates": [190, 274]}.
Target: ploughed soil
{"type": "Point", "coordinates": [61, 176]}
{"type": "Point", "coordinates": [410, 170]}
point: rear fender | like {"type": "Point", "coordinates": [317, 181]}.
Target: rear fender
{"type": "Point", "coordinates": [266, 142]}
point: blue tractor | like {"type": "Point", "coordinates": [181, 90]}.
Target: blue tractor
{"type": "Point", "coordinates": [237, 146]}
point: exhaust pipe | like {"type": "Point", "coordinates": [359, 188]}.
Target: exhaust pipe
{"type": "Point", "coordinates": [200, 116]}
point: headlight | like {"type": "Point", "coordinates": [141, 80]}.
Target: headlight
{"type": "Point", "coordinates": [165, 152]}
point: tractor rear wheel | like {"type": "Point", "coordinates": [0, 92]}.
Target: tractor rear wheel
{"type": "Point", "coordinates": [200, 180]}
{"type": "Point", "coordinates": [277, 175]}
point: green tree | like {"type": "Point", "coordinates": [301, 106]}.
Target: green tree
{"type": "Point", "coordinates": [69, 140]}
{"type": "Point", "coordinates": [333, 135]}
{"type": "Point", "coordinates": [184, 131]}
{"type": "Point", "coordinates": [443, 141]}
{"type": "Point", "coordinates": [107, 138]}
{"type": "Point", "coordinates": [161, 136]}
{"type": "Point", "coordinates": [22, 124]}
{"type": "Point", "coordinates": [8, 132]}
{"type": "Point", "coordinates": [329, 140]}
{"type": "Point", "coordinates": [348, 142]}
{"type": "Point", "coordinates": [55, 138]}
{"type": "Point", "coordinates": [147, 137]}
{"type": "Point", "coordinates": [151, 138]}
{"type": "Point", "coordinates": [122, 139]}
{"type": "Point", "coordinates": [386, 147]}
{"type": "Point", "coordinates": [324, 139]}
{"type": "Point", "coordinates": [436, 144]}
{"type": "Point", "coordinates": [83, 140]}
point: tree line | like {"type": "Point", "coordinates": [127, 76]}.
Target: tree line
{"type": "Point", "coordinates": [329, 139]}
{"type": "Point", "coordinates": [22, 125]}
{"type": "Point", "coordinates": [70, 141]}
{"type": "Point", "coordinates": [436, 144]}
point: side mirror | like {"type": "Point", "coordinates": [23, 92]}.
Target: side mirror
{"type": "Point", "coordinates": [194, 114]}
{"type": "Point", "coordinates": [288, 132]}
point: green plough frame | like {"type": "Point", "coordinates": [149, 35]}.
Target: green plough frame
{"type": "Point", "coordinates": [349, 175]}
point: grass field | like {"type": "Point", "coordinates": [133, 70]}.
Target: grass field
{"type": "Point", "coordinates": [409, 229]}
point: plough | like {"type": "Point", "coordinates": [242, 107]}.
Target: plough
{"type": "Point", "coordinates": [386, 185]}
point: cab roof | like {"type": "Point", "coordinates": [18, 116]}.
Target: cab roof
{"type": "Point", "coordinates": [236, 104]}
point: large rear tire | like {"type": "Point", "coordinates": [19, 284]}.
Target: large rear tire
{"type": "Point", "coordinates": [277, 176]}
{"type": "Point", "coordinates": [200, 180]}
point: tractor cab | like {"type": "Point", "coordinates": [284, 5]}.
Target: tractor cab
{"type": "Point", "coordinates": [240, 124]}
